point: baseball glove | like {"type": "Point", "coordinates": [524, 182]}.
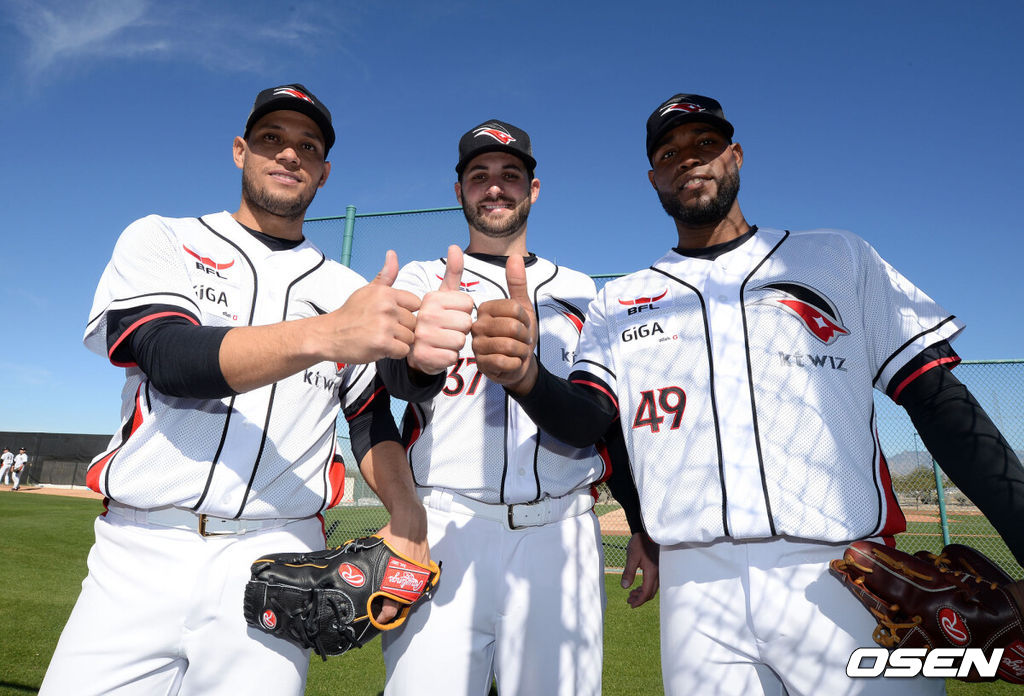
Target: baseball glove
{"type": "Point", "coordinates": [958, 599]}
{"type": "Point", "coordinates": [326, 600]}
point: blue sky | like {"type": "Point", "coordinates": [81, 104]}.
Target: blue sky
{"type": "Point", "coordinates": [897, 120]}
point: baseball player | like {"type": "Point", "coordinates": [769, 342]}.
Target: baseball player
{"type": "Point", "coordinates": [741, 366]}
{"type": "Point", "coordinates": [6, 462]}
{"type": "Point", "coordinates": [240, 342]}
{"type": "Point", "coordinates": [20, 462]}
{"type": "Point", "coordinates": [509, 508]}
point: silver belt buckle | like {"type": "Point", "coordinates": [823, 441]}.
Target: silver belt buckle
{"type": "Point", "coordinates": [511, 516]}
{"type": "Point", "coordinates": [202, 528]}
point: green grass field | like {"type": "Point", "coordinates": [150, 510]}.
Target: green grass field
{"type": "Point", "coordinates": [44, 541]}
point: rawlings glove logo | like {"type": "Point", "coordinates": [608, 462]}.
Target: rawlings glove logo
{"type": "Point", "coordinates": [269, 619]}
{"type": "Point", "coordinates": [954, 627]}
{"type": "Point", "coordinates": [352, 575]}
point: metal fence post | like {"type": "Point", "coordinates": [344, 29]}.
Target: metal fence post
{"type": "Point", "coordinates": [346, 238]}
{"type": "Point", "coordinates": [943, 520]}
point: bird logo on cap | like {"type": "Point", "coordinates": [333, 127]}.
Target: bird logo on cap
{"type": "Point", "coordinates": [688, 107]}
{"type": "Point", "coordinates": [289, 92]}
{"type": "Point", "coordinates": [499, 134]}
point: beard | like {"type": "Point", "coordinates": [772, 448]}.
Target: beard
{"type": "Point", "coordinates": [495, 229]}
{"type": "Point", "coordinates": [704, 212]}
{"type": "Point", "coordinates": [288, 207]}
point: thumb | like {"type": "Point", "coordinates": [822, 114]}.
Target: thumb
{"type": "Point", "coordinates": [515, 278]}
{"type": "Point", "coordinates": [453, 269]}
{"type": "Point", "coordinates": [389, 272]}
{"type": "Point", "coordinates": [629, 572]}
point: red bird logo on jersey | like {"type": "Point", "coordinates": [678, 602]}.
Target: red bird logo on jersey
{"type": "Point", "coordinates": [464, 285]}
{"type": "Point", "coordinates": [289, 92]}
{"type": "Point", "coordinates": [573, 314]}
{"type": "Point", "coordinates": [814, 310]}
{"type": "Point", "coordinates": [496, 132]}
{"type": "Point", "coordinates": [207, 261]}
{"type": "Point", "coordinates": [643, 300]}
{"type": "Point", "coordinates": [688, 107]}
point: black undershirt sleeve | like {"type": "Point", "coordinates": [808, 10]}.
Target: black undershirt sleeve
{"type": "Point", "coordinates": [576, 415]}
{"type": "Point", "coordinates": [374, 423]}
{"type": "Point", "coordinates": [180, 358]}
{"type": "Point", "coordinates": [620, 481]}
{"type": "Point", "coordinates": [406, 384]}
{"type": "Point", "coordinates": [967, 446]}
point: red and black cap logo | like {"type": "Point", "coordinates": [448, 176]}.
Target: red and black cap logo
{"type": "Point", "coordinates": [815, 311]}
{"type": "Point", "coordinates": [293, 97]}
{"type": "Point", "coordinates": [495, 136]}
{"type": "Point", "coordinates": [680, 109]}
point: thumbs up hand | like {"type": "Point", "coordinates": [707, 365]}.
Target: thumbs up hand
{"type": "Point", "coordinates": [375, 322]}
{"type": "Point", "coordinates": [505, 334]}
{"type": "Point", "coordinates": [443, 321]}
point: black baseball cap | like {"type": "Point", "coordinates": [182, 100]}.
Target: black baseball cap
{"type": "Point", "coordinates": [495, 136]}
{"type": "Point", "coordinates": [684, 108]}
{"type": "Point", "coordinates": [293, 97]}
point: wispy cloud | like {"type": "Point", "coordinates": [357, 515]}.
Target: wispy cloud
{"type": "Point", "coordinates": [64, 34]}
{"type": "Point", "coordinates": [19, 375]}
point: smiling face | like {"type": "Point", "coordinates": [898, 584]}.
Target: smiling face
{"type": "Point", "coordinates": [696, 175]}
{"type": "Point", "coordinates": [282, 163]}
{"type": "Point", "coordinates": [496, 194]}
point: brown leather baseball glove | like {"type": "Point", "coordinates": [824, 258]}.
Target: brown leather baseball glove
{"type": "Point", "coordinates": [958, 599]}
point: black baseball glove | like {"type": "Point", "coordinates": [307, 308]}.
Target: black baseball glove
{"type": "Point", "coordinates": [326, 600]}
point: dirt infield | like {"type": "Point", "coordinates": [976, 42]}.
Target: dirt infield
{"type": "Point", "coordinates": [53, 490]}
{"type": "Point", "coordinates": [614, 522]}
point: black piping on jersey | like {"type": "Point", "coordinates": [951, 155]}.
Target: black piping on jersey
{"type": "Point", "coordinates": [413, 420]}
{"type": "Point", "coordinates": [714, 400]}
{"type": "Point", "coordinates": [504, 448]}
{"type": "Point", "coordinates": [750, 383]}
{"type": "Point", "coordinates": [231, 402]}
{"type": "Point", "coordinates": [596, 364]}
{"type": "Point", "coordinates": [190, 300]}
{"type": "Point", "coordinates": [876, 464]}
{"type": "Point", "coordinates": [355, 379]}
{"type": "Point", "coordinates": [334, 439]}
{"type": "Point", "coordinates": [325, 479]}
{"type": "Point", "coordinates": [273, 390]}
{"type": "Point", "coordinates": [536, 446]}
{"type": "Point", "coordinates": [913, 338]}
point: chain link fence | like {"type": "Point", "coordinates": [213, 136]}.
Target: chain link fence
{"type": "Point", "coordinates": [937, 512]}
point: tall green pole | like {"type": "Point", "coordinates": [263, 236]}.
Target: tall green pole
{"type": "Point", "coordinates": [942, 503]}
{"type": "Point", "coordinates": [346, 237]}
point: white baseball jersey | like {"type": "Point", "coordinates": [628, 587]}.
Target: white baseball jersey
{"type": "Point", "coordinates": [744, 384]}
{"type": "Point", "coordinates": [262, 454]}
{"type": "Point", "coordinates": [20, 460]}
{"type": "Point", "coordinates": [7, 459]}
{"type": "Point", "coordinates": [474, 420]}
